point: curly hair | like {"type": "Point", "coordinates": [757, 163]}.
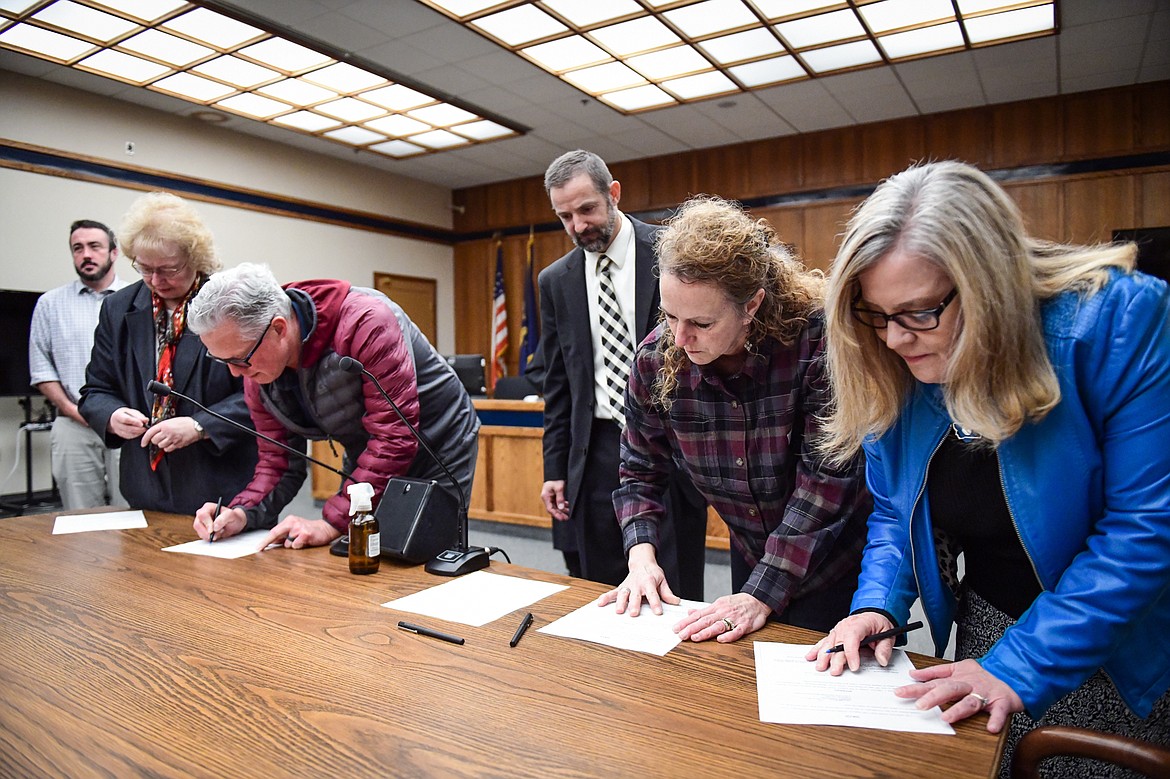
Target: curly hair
{"type": "Point", "coordinates": [713, 240]}
{"type": "Point", "coordinates": [159, 222]}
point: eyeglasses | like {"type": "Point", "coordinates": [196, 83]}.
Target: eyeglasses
{"type": "Point", "coordinates": [166, 273]}
{"type": "Point", "coordinates": [246, 360]}
{"type": "Point", "coordinates": [919, 321]}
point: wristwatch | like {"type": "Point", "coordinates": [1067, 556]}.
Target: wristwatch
{"type": "Point", "coordinates": [199, 429]}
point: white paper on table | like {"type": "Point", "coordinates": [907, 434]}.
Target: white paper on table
{"type": "Point", "coordinates": [476, 599]}
{"type": "Point", "coordinates": [793, 692]}
{"type": "Point", "coordinates": [647, 632]}
{"type": "Point", "coordinates": [111, 520]}
{"type": "Point", "coordinates": [225, 548]}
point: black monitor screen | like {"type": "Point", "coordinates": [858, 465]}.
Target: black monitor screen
{"type": "Point", "coordinates": [470, 370]}
{"type": "Point", "coordinates": [16, 310]}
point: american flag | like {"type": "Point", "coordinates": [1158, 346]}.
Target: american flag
{"type": "Point", "coordinates": [499, 322]}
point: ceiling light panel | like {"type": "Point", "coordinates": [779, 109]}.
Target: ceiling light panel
{"type": "Point", "coordinates": [637, 55]}
{"type": "Point", "coordinates": [219, 58]}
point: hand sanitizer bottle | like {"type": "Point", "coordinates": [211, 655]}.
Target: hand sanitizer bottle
{"type": "Point", "coordinates": [364, 538]}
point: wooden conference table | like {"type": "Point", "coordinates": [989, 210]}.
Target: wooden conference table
{"type": "Point", "coordinates": [117, 659]}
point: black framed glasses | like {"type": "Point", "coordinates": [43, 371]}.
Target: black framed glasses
{"type": "Point", "coordinates": [918, 321]}
{"type": "Point", "coordinates": [246, 360]}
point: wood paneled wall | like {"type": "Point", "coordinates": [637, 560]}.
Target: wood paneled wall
{"type": "Point", "coordinates": [800, 168]}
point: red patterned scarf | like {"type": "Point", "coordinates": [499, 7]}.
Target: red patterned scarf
{"type": "Point", "coordinates": [168, 329]}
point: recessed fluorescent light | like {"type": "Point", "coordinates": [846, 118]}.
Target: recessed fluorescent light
{"type": "Point", "coordinates": [847, 55]}
{"type": "Point", "coordinates": [355, 136]}
{"type": "Point", "coordinates": [585, 14]}
{"type": "Point", "coordinates": [397, 97]}
{"type": "Point", "coordinates": [711, 16]}
{"type": "Point", "coordinates": [701, 85]}
{"type": "Point", "coordinates": [896, 14]}
{"type": "Point", "coordinates": [604, 78]}
{"type": "Point", "coordinates": [398, 125]}
{"type": "Point", "coordinates": [439, 139]}
{"type": "Point", "coordinates": [344, 78]}
{"type": "Point", "coordinates": [668, 63]}
{"type": "Point", "coordinates": [168, 48]}
{"type": "Point", "coordinates": [638, 98]}
{"type": "Point", "coordinates": [51, 45]}
{"type": "Point", "coordinates": [286, 55]}
{"type": "Point", "coordinates": [741, 46]}
{"type": "Point", "coordinates": [350, 109]}
{"type": "Point", "coordinates": [566, 53]}
{"type": "Point", "coordinates": [774, 9]}
{"type": "Point", "coordinates": [442, 114]}
{"type": "Point", "coordinates": [397, 148]}
{"type": "Point", "coordinates": [254, 105]}
{"type": "Point", "coordinates": [519, 25]}
{"type": "Point", "coordinates": [216, 29]}
{"type": "Point", "coordinates": [814, 30]}
{"type": "Point", "coordinates": [297, 92]}
{"type": "Point", "coordinates": [634, 36]}
{"type": "Point", "coordinates": [124, 66]}
{"type": "Point", "coordinates": [461, 8]}
{"type": "Point", "coordinates": [770, 71]}
{"type": "Point", "coordinates": [482, 130]}
{"type": "Point", "coordinates": [84, 20]}
{"type": "Point", "coordinates": [146, 10]}
{"type": "Point", "coordinates": [1010, 24]}
{"type": "Point", "coordinates": [236, 71]}
{"type": "Point", "coordinates": [192, 87]}
{"type": "Point", "coordinates": [922, 41]}
{"type": "Point", "coordinates": [306, 120]}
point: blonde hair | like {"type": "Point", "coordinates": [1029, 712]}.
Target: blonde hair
{"type": "Point", "coordinates": [159, 221]}
{"type": "Point", "coordinates": [999, 375]}
{"type": "Point", "coordinates": [712, 240]}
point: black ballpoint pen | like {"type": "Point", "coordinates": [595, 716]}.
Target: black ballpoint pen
{"type": "Point", "coordinates": [879, 636]}
{"type": "Point", "coordinates": [218, 508]}
{"type": "Point", "coordinates": [430, 633]}
{"type": "Point", "coordinates": [524, 623]}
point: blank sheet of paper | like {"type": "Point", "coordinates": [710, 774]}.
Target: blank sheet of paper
{"type": "Point", "coordinates": [793, 692]}
{"type": "Point", "coordinates": [476, 599]}
{"type": "Point", "coordinates": [112, 520]}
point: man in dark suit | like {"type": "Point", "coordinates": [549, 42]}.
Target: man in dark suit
{"type": "Point", "coordinates": [596, 304]}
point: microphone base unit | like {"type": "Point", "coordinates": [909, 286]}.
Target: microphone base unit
{"type": "Point", "coordinates": [457, 562]}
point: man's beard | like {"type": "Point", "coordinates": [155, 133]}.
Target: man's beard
{"type": "Point", "coordinates": [95, 275]}
{"type": "Point", "coordinates": [604, 234]}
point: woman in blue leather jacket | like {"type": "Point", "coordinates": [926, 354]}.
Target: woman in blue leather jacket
{"type": "Point", "coordinates": [1013, 400]}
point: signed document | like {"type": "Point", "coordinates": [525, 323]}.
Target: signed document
{"type": "Point", "coordinates": [792, 692]}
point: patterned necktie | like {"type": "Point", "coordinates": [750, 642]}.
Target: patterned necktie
{"type": "Point", "coordinates": [616, 350]}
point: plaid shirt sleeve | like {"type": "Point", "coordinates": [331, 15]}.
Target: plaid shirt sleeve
{"type": "Point", "coordinates": [645, 455]}
{"type": "Point", "coordinates": [822, 532]}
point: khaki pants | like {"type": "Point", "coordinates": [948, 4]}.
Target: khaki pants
{"type": "Point", "coordinates": [85, 470]}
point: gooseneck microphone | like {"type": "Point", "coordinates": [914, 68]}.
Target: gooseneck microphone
{"type": "Point", "coordinates": [158, 388]}
{"type": "Point", "coordinates": [462, 558]}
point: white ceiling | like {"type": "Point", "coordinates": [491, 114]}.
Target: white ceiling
{"type": "Point", "coordinates": [1102, 43]}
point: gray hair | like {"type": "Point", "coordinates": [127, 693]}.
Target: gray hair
{"type": "Point", "coordinates": [247, 295]}
{"type": "Point", "coordinates": [571, 163]}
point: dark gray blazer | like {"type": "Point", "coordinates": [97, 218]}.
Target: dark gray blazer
{"type": "Point", "coordinates": [567, 356]}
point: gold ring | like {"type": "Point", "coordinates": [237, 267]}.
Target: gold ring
{"type": "Point", "coordinates": [730, 625]}
{"type": "Point", "coordinates": [982, 701]}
